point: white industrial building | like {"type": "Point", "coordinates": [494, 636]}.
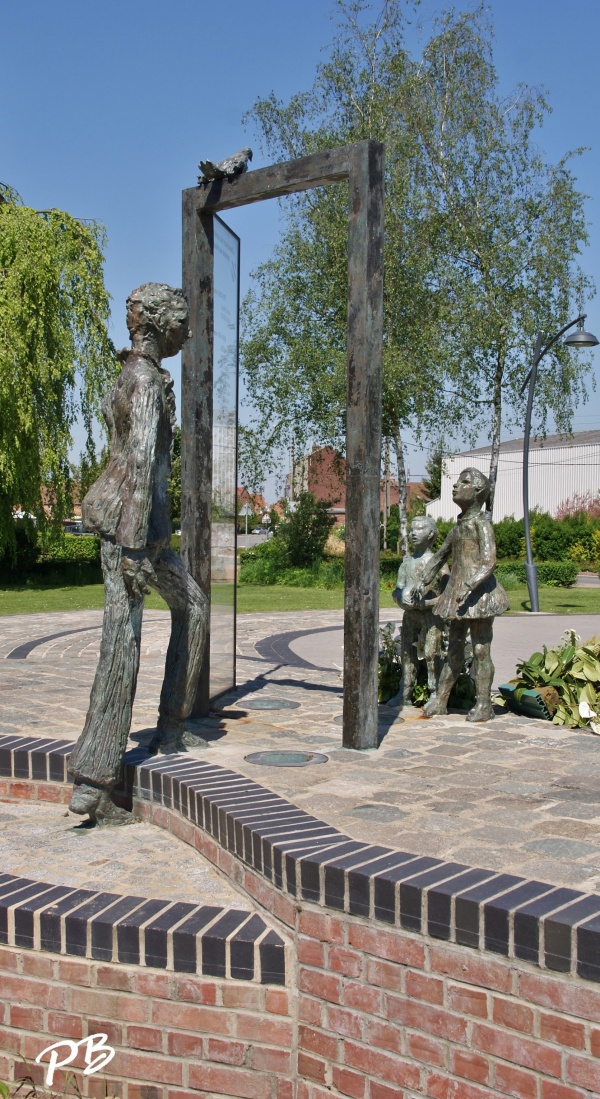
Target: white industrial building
{"type": "Point", "coordinates": [559, 467]}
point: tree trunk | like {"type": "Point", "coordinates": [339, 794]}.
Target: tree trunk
{"type": "Point", "coordinates": [497, 425]}
{"type": "Point", "coordinates": [402, 491]}
{"type": "Point", "coordinates": [386, 490]}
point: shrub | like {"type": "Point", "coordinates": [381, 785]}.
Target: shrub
{"type": "Point", "coordinates": [510, 538]}
{"type": "Point", "coordinates": [444, 526]}
{"type": "Point", "coordinates": [305, 530]}
{"type": "Point", "coordinates": [72, 549]}
{"type": "Point", "coordinates": [70, 559]}
{"type": "Point", "coordinates": [587, 502]}
{"type": "Point", "coordinates": [551, 574]}
{"type": "Point", "coordinates": [552, 538]}
{"type": "Point", "coordinates": [389, 563]}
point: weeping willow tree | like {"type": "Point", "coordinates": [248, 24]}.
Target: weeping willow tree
{"type": "Point", "coordinates": [56, 358]}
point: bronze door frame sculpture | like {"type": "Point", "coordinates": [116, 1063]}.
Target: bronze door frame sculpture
{"type": "Point", "coordinates": [362, 165]}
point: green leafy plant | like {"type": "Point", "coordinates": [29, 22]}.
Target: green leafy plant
{"type": "Point", "coordinates": [420, 694]}
{"type": "Point", "coordinates": [306, 530]}
{"type": "Point", "coordinates": [390, 663]}
{"type": "Point", "coordinates": [567, 677]}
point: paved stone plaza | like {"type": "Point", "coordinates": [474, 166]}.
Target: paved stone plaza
{"type": "Point", "coordinates": [514, 794]}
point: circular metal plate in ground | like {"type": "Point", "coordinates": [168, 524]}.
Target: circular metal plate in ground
{"type": "Point", "coordinates": [286, 759]}
{"type": "Point", "coordinates": [268, 704]}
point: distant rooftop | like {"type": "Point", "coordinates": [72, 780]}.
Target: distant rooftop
{"type": "Point", "coordinates": [578, 438]}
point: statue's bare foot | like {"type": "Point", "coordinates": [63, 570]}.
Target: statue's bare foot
{"type": "Point", "coordinates": [435, 707]}
{"type": "Point", "coordinates": [171, 737]}
{"type": "Point", "coordinates": [482, 711]}
{"type": "Point", "coordinates": [192, 740]}
{"type": "Point", "coordinates": [98, 804]}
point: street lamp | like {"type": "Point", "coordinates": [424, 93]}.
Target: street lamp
{"type": "Point", "coordinates": [580, 338]}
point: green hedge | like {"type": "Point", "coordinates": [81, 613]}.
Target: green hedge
{"type": "Point", "coordinates": [551, 574]}
{"type": "Point", "coordinates": [72, 549]}
{"type": "Point", "coordinates": [267, 564]}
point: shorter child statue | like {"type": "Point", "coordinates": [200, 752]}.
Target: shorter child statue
{"type": "Point", "coordinates": [421, 627]}
{"type": "Point", "coordinates": [472, 597]}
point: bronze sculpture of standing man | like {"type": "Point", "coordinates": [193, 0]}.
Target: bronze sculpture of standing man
{"type": "Point", "coordinates": [129, 508]}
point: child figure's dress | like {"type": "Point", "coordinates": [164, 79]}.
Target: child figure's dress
{"type": "Point", "coordinates": [471, 540]}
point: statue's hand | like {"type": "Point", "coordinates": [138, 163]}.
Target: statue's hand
{"type": "Point", "coordinates": [415, 595]}
{"type": "Point", "coordinates": [137, 571]}
{"type": "Point", "coordinates": [463, 594]}
{"type": "Point", "coordinates": [427, 576]}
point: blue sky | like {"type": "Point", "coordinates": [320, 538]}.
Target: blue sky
{"type": "Point", "coordinates": [107, 108]}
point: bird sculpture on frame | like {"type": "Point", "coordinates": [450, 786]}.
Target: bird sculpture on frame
{"type": "Point", "coordinates": [227, 169]}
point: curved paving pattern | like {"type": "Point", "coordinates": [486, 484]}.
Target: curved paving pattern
{"type": "Point", "coordinates": [515, 795]}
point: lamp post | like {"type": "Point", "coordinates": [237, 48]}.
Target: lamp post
{"type": "Point", "coordinates": [580, 338]}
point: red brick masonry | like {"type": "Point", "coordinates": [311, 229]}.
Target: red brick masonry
{"type": "Point", "coordinates": [402, 980]}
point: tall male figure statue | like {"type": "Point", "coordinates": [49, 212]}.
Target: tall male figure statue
{"type": "Point", "coordinates": [128, 507]}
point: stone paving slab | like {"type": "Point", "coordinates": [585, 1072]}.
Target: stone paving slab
{"type": "Point", "coordinates": [514, 794]}
{"type": "Point", "coordinates": [47, 843]}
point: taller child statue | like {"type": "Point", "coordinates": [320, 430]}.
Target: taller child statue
{"type": "Point", "coordinates": [128, 507]}
{"type": "Point", "coordinates": [472, 598]}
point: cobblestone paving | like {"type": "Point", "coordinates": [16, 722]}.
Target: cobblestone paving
{"type": "Point", "coordinates": [46, 843]}
{"type": "Point", "coordinates": [514, 794]}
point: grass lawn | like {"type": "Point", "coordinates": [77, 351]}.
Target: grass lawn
{"type": "Point", "coordinates": [30, 600]}
{"type": "Point", "coordinates": [253, 597]}
{"type": "Point", "coordinates": [558, 600]}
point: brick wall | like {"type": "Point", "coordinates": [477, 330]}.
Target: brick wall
{"type": "Point", "coordinates": [379, 1002]}
{"type": "Point", "coordinates": [174, 1036]}
{"type": "Point", "coordinates": [372, 1014]}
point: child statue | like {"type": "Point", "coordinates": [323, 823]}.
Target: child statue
{"type": "Point", "coordinates": [129, 508]}
{"type": "Point", "coordinates": [421, 628]}
{"type": "Point", "coordinates": [472, 597]}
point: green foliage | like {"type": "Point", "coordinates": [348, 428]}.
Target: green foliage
{"type": "Point", "coordinates": [175, 478]}
{"type": "Point", "coordinates": [269, 563]}
{"type": "Point", "coordinates": [294, 351]}
{"type": "Point", "coordinates": [389, 672]}
{"type": "Point", "coordinates": [305, 530]}
{"type": "Point", "coordinates": [444, 527]}
{"type": "Point", "coordinates": [510, 538]}
{"type": "Point", "coordinates": [63, 558]}
{"type": "Point", "coordinates": [393, 529]}
{"type": "Point", "coordinates": [20, 550]}
{"type": "Point", "coordinates": [568, 678]}
{"type": "Point", "coordinates": [56, 359]}
{"type": "Point", "coordinates": [80, 549]}
{"type": "Point", "coordinates": [434, 465]}
{"type": "Point", "coordinates": [87, 470]}
{"type": "Point", "coordinates": [482, 239]}
{"type": "Point", "coordinates": [575, 538]}
{"type": "Point", "coordinates": [552, 574]}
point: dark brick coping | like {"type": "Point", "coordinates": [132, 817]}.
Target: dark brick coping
{"type": "Point", "coordinates": [187, 938]}
{"type": "Point", "coordinates": [550, 926]}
